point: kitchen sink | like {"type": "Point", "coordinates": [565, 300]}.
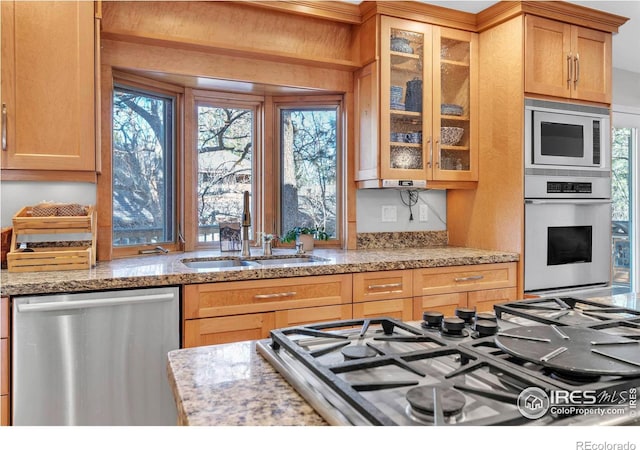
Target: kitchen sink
{"type": "Point", "coordinates": [291, 260]}
{"type": "Point", "coordinates": [216, 263]}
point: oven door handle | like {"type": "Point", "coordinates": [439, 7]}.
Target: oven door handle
{"type": "Point", "coordinates": [567, 201]}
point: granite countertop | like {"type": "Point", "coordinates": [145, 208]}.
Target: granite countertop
{"type": "Point", "coordinates": [231, 384]}
{"type": "Point", "coordinates": [166, 270]}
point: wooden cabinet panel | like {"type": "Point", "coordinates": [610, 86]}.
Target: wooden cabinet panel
{"type": "Point", "coordinates": [4, 317]}
{"type": "Point", "coordinates": [301, 316]}
{"type": "Point", "coordinates": [484, 300]}
{"type": "Point", "coordinates": [569, 61]}
{"type": "Point", "coordinates": [443, 280]}
{"type": "Point", "coordinates": [368, 286]}
{"type": "Point", "coordinates": [245, 297]}
{"type": "Point", "coordinates": [4, 410]}
{"type": "Point", "coordinates": [4, 366]}
{"type": "Point", "coordinates": [48, 85]}
{"type": "Point", "coordinates": [444, 303]}
{"type": "Point", "coordinates": [222, 330]}
{"type": "Point", "coordinates": [592, 69]}
{"type": "Point", "coordinates": [401, 309]}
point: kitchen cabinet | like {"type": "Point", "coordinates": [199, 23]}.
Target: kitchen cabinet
{"type": "Point", "coordinates": [217, 313]}
{"type": "Point", "coordinates": [4, 361]}
{"type": "Point", "coordinates": [48, 70]}
{"type": "Point", "coordinates": [479, 286]}
{"type": "Point", "coordinates": [568, 61]}
{"type": "Point", "coordinates": [416, 108]}
{"type": "Point", "coordinates": [385, 293]}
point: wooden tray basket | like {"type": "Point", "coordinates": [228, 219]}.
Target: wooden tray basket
{"type": "Point", "coordinates": [39, 259]}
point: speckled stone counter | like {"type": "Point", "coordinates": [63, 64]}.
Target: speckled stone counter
{"type": "Point", "coordinates": [167, 270]}
{"type": "Point", "coordinates": [232, 384]}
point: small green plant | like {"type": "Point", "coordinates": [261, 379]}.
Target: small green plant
{"type": "Point", "coordinates": [317, 233]}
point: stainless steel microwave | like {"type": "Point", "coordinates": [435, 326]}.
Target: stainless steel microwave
{"type": "Point", "coordinates": [563, 135]}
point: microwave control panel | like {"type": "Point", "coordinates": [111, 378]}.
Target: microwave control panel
{"type": "Point", "coordinates": [561, 187]}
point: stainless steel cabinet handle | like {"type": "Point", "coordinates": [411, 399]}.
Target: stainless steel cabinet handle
{"type": "Point", "coordinates": [80, 304]}
{"type": "Point", "coordinates": [4, 127]}
{"type": "Point", "coordinates": [430, 152]}
{"type": "Point", "coordinates": [576, 62]}
{"type": "Point", "coordinates": [470, 278]}
{"type": "Point", "coordinates": [569, 71]}
{"type": "Point", "coordinates": [276, 295]}
{"type": "Point", "coordinates": [438, 153]}
{"type": "Point", "coordinates": [384, 286]}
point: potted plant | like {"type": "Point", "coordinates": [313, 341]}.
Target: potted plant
{"type": "Point", "coordinates": [306, 235]}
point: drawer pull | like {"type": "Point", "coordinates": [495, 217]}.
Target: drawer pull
{"type": "Point", "coordinates": [384, 286]}
{"type": "Point", "coordinates": [276, 295]}
{"type": "Point", "coordinates": [471, 278]}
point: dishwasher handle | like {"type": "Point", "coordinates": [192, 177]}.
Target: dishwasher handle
{"type": "Point", "coordinates": [80, 304]}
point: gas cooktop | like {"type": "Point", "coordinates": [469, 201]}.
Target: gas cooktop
{"type": "Point", "coordinates": [471, 369]}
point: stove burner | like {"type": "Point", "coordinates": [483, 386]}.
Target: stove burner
{"type": "Point", "coordinates": [432, 319]}
{"type": "Point", "coordinates": [466, 314]}
{"type": "Point", "coordinates": [452, 326]}
{"type": "Point", "coordinates": [486, 316]}
{"type": "Point", "coordinates": [421, 399]}
{"type": "Point", "coordinates": [358, 352]}
{"type": "Point", "coordinates": [485, 328]}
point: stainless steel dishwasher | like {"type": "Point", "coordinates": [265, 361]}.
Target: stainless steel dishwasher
{"type": "Point", "coordinates": [94, 358]}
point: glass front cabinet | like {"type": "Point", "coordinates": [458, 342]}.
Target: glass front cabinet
{"type": "Point", "coordinates": [426, 88]}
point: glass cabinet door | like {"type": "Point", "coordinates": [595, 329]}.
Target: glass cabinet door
{"type": "Point", "coordinates": [455, 103]}
{"type": "Point", "coordinates": [405, 109]}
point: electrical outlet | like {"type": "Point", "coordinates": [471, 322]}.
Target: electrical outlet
{"type": "Point", "coordinates": [424, 213]}
{"type": "Point", "coordinates": [389, 213]}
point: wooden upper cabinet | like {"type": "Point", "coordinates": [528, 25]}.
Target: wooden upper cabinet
{"type": "Point", "coordinates": [416, 107]}
{"type": "Point", "coordinates": [569, 61]}
{"type": "Point", "coordinates": [48, 85]}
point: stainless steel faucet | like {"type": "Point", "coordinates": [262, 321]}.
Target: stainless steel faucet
{"type": "Point", "coordinates": [246, 223]}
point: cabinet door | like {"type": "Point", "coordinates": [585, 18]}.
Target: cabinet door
{"type": "Point", "coordinates": [405, 98]}
{"type": "Point", "coordinates": [592, 64]}
{"type": "Point", "coordinates": [401, 309]}
{"type": "Point", "coordinates": [301, 316]}
{"type": "Point", "coordinates": [455, 105]}
{"type": "Point", "coordinates": [484, 300]}
{"type": "Point", "coordinates": [4, 317]}
{"type": "Point", "coordinates": [4, 410]}
{"type": "Point", "coordinates": [4, 366]}
{"type": "Point", "coordinates": [48, 85]}
{"type": "Point", "coordinates": [548, 58]}
{"type": "Point", "coordinates": [366, 128]}
{"type": "Point", "coordinates": [444, 303]}
{"type": "Point", "coordinates": [222, 330]}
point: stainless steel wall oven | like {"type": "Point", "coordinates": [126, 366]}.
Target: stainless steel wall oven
{"type": "Point", "coordinates": [567, 196]}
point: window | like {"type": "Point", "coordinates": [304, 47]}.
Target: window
{"type": "Point", "coordinates": [143, 168]}
{"type": "Point", "coordinates": [310, 166]}
{"type": "Point", "coordinates": [225, 145]}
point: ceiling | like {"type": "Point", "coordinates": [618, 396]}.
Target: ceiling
{"type": "Point", "coordinates": [625, 43]}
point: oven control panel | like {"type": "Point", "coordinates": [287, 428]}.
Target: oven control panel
{"type": "Point", "coordinates": [562, 187]}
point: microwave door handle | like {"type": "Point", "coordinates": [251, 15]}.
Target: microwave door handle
{"type": "Point", "coordinates": [567, 201]}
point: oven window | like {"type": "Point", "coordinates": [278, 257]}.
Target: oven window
{"type": "Point", "coordinates": [561, 139]}
{"type": "Point", "coordinates": [567, 245]}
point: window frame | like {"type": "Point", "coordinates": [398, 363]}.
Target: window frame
{"type": "Point", "coordinates": [309, 103]}
{"type": "Point", "coordinates": [105, 182]}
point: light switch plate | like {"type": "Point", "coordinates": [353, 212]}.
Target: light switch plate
{"type": "Point", "coordinates": [389, 213]}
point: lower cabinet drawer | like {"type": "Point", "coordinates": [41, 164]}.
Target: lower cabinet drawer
{"type": "Point", "coordinates": [401, 309]}
{"type": "Point", "coordinates": [444, 280]}
{"type": "Point", "coordinates": [4, 366]}
{"type": "Point", "coordinates": [368, 286]}
{"type": "Point", "coordinates": [4, 410]}
{"type": "Point", "coordinates": [302, 316]}
{"type": "Point", "coordinates": [222, 330]}
{"type": "Point", "coordinates": [484, 300]}
{"type": "Point", "coordinates": [443, 303]}
{"type": "Point", "coordinates": [255, 296]}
